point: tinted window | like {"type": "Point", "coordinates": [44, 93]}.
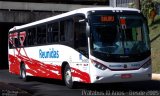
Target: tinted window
{"type": "Point", "coordinates": [41, 34]}
{"type": "Point", "coordinates": [52, 32]}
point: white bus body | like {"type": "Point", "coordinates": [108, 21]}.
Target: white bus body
{"type": "Point", "coordinates": [73, 47]}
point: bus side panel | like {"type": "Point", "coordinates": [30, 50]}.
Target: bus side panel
{"type": "Point", "coordinates": [13, 63]}
{"type": "Point", "coordinates": [46, 61]}
{"type": "Point", "coordinates": [36, 67]}
{"type": "Point", "coordinates": [78, 63]}
{"type": "Point", "coordinates": [33, 67]}
{"type": "Point", "coordinates": [41, 69]}
{"type": "Point", "coordinates": [80, 76]}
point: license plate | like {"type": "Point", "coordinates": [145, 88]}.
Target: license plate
{"type": "Point", "coordinates": [126, 76]}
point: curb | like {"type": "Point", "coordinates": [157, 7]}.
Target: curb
{"type": "Point", "coordinates": [155, 76]}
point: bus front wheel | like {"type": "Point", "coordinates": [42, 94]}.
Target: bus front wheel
{"type": "Point", "coordinates": [68, 77]}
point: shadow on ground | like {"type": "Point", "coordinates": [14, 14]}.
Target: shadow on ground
{"type": "Point", "coordinates": [89, 89]}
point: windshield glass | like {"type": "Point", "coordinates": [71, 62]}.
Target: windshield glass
{"type": "Point", "coordinates": [119, 34]}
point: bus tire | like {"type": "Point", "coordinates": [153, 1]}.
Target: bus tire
{"type": "Point", "coordinates": [68, 77]}
{"type": "Point", "coordinates": [23, 73]}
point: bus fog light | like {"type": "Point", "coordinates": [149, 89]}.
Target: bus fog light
{"type": "Point", "coordinates": [97, 77]}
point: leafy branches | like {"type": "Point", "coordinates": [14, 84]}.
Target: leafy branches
{"type": "Point", "coordinates": [149, 9]}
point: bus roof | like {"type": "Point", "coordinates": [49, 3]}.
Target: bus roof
{"type": "Point", "coordinates": [81, 10]}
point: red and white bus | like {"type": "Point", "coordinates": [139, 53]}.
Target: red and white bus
{"type": "Point", "coordinates": [90, 45]}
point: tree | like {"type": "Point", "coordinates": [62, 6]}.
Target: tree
{"type": "Point", "coordinates": [149, 9]}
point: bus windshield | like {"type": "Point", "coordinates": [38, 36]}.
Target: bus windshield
{"type": "Point", "coordinates": [122, 35]}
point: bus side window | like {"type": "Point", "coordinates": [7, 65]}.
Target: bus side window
{"type": "Point", "coordinates": [62, 30]}
{"type": "Point", "coordinates": [69, 34]}
{"type": "Point", "coordinates": [16, 40]}
{"type": "Point", "coordinates": [52, 32]}
{"type": "Point", "coordinates": [41, 34]}
{"type": "Point", "coordinates": [80, 36]}
{"type": "Point", "coordinates": [31, 36]}
{"type": "Point", "coordinates": [25, 40]}
{"type": "Point", "coordinates": [10, 42]}
{"type": "Point", "coordinates": [66, 32]}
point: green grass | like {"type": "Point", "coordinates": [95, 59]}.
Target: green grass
{"type": "Point", "coordinates": [155, 44]}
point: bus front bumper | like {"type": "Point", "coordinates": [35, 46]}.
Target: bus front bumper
{"type": "Point", "coordinates": [122, 76]}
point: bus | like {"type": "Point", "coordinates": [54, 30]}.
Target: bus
{"type": "Point", "coordinates": [88, 45]}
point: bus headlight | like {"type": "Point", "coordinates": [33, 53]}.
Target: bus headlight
{"type": "Point", "coordinates": [146, 64]}
{"type": "Point", "coordinates": [98, 65]}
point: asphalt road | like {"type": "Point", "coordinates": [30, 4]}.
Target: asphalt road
{"type": "Point", "coordinates": [49, 87]}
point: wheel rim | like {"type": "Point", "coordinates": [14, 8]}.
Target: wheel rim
{"type": "Point", "coordinates": [68, 77]}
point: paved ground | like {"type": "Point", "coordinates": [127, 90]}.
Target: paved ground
{"type": "Point", "coordinates": [8, 90]}
{"type": "Point", "coordinates": [49, 87]}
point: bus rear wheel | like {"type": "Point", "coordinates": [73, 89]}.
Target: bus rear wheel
{"type": "Point", "coordinates": [68, 77]}
{"type": "Point", "coordinates": [23, 73]}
